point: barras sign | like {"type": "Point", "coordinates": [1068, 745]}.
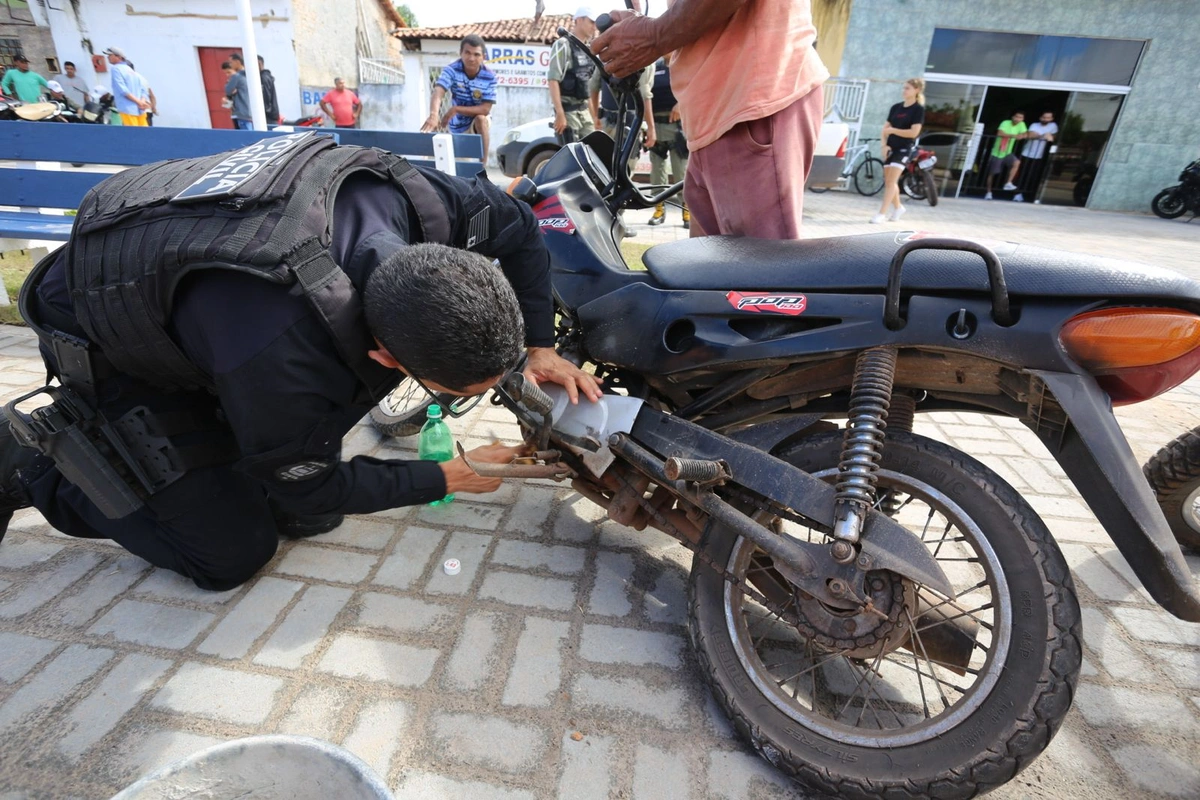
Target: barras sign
{"type": "Point", "coordinates": [240, 167]}
{"type": "Point", "coordinates": [519, 65]}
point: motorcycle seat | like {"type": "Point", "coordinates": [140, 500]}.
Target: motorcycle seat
{"type": "Point", "coordinates": [859, 264]}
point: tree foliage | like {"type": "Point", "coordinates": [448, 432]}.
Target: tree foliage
{"type": "Point", "coordinates": [410, 19]}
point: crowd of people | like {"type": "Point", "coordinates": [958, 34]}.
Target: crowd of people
{"type": "Point", "coordinates": [133, 100]}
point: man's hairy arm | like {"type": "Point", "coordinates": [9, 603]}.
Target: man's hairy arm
{"type": "Point", "coordinates": [634, 41]}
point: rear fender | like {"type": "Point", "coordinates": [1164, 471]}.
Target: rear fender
{"type": "Point", "coordinates": [1094, 453]}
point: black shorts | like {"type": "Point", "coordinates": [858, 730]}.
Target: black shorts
{"type": "Point", "coordinates": [899, 156]}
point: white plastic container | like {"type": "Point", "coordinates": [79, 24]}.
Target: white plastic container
{"type": "Point", "coordinates": [608, 415]}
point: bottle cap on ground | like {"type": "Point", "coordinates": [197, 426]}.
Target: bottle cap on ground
{"type": "Point", "coordinates": [452, 566]}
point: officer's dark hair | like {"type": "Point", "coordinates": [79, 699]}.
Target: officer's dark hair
{"type": "Point", "coordinates": [472, 40]}
{"type": "Point", "coordinates": [447, 315]}
{"type": "Point", "coordinates": [237, 57]}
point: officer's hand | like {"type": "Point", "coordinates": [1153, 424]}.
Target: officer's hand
{"type": "Point", "coordinates": [651, 137]}
{"type": "Point", "coordinates": [560, 123]}
{"type": "Point", "coordinates": [430, 124]}
{"type": "Point", "coordinates": [546, 365]}
{"type": "Point", "coordinates": [628, 45]}
{"type": "Point", "coordinates": [461, 478]}
{"type": "Point", "coordinates": [674, 114]}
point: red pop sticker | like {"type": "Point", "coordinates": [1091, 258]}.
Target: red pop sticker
{"type": "Point", "coordinates": [551, 216]}
{"type": "Point", "coordinates": [790, 304]}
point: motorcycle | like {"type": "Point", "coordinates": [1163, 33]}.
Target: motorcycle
{"type": "Point", "coordinates": [312, 121]}
{"type": "Point", "coordinates": [1175, 201]}
{"type": "Point", "coordinates": [51, 111]}
{"type": "Point", "coordinates": [917, 180]}
{"type": "Point", "coordinates": [878, 613]}
{"type": "Point", "coordinates": [1174, 475]}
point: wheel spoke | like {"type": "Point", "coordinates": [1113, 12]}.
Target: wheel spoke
{"type": "Point", "coordinates": [916, 636]}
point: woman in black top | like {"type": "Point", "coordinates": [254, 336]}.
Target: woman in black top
{"type": "Point", "coordinates": [899, 145]}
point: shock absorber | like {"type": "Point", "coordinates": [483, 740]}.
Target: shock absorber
{"type": "Point", "coordinates": [870, 396]}
{"type": "Point", "coordinates": [900, 417]}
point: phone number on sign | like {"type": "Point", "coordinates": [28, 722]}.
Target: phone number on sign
{"type": "Point", "coordinates": [533, 81]}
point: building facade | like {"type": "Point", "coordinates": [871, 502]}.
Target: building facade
{"type": "Point", "coordinates": [1120, 77]}
{"type": "Point", "coordinates": [178, 45]}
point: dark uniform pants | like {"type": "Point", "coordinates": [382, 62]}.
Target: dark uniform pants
{"type": "Point", "coordinates": [213, 525]}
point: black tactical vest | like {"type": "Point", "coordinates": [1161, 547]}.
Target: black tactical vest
{"type": "Point", "coordinates": [574, 84]}
{"type": "Point", "coordinates": [265, 210]}
{"type": "Point", "coordinates": [664, 99]}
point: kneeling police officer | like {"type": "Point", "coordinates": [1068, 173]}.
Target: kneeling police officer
{"type": "Point", "coordinates": [217, 325]}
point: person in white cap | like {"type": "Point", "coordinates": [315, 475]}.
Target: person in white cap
{"type": "Point", "coordinates": [56, 93]}
{"type": "Point", "coordinates": [567, 76]}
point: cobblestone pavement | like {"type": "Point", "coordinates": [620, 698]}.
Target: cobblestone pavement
{"type": "Point", "coordinates": [559, 623]}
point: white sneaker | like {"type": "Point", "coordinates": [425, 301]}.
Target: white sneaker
{"type": "Point", "coordinates": [1019, 198]}
{"type": "Point", "coordinates": [1010, 187]}
{"type": "Point", "coordinates": [896, 214]}
{"type": "Point", "coordinates": [878, 218]}
{"type": "Point", "coordinates": [987, 196]}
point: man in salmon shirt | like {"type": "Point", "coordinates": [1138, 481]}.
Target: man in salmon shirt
{"type": "Point", "coordinates": [748, 82]}
{"type": "Point", "coordinates": [342, 105]}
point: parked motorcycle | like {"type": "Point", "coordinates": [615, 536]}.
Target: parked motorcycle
{"type": "Point", "coordinates": [1174, 474]}
{"type": "Point", "coordinates": [878, 613]}
{"type": "Point", "coordinates": [1175, 201]}
{"type": "Point", "coordinates": [51, 111]}
{"type": "Point", "coordinates": [917, 179]}
{"type": "Point", "coordinates": [312, 121]}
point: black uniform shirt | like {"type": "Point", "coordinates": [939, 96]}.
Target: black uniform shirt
{"type": "Point", "coordinates": [287, 394]}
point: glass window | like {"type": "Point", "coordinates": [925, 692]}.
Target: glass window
{"type": "Point", "coordinates": [1073, 59]}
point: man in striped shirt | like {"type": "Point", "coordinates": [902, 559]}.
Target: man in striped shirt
{"type": "Point", "coordinates": [472, 88]}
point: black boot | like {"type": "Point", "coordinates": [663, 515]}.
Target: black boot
{"type": "Point", "coordinates": [301, 526]}
{"type": "Point", "coordinates": [13, 458]}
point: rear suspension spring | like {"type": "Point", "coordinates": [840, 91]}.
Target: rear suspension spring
{"type": "Point", "coordinates": [870, 396]}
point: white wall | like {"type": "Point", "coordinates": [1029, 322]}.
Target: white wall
{"type": "Point", "coordinates": [161, 36]}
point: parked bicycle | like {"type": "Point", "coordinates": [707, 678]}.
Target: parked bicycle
{"type": "Point", "coordinates": [864, 169]}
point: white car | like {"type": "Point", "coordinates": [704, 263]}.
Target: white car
{"type": "Point", "coordinates": [830, 157]}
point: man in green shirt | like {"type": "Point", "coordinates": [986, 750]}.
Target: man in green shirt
{"type": "Point", "coordinates": [1002, 156]}
{"type": "Point", "coordinates": [22, 83]}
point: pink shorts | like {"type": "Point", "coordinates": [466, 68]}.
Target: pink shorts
{"type": "Point", "coordinates": [750, 182]}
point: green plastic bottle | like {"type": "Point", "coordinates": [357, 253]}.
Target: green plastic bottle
{"type": "Point", "coordinates": [436, 443]}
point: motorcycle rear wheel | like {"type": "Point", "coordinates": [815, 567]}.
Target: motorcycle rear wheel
{"type": "Point", "coordinates": [1169, 203]}
{"type": "Point", "coordinates": [1023, 663]}
{"type": "Point", "coordinates": [1174, 474]}
{"type": "Point", "coordinates": [930, 188]}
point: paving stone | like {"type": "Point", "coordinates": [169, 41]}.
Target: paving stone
{"type": "Point", "coordinates": [530, 511]}
{"type": "Point", "coordinates": [1087, 669]}
{"type": "Point", "coordinates": [54, 580]}
{"type": "Point", "coordinates": [607, 645]}
{"type": "Point", "coordinates": [716, 720]}
{"type": "Point", "coordinates": [323, 563]}
{"type": "Point", "coordinates": [1104, 639]}
{"type": "Point", "coordinates": [528, 590]}
{"type": "Point", "coordinates": [1156, 625]}
{"type": "Point", "coordinates": [660, 775]}
{"type": "Point", "coordinates": [1067, 507]}
{"type": "Point", "coordinates": [1114, 559]}
{"type": "Point", "coordinates": [475, 739]}
{"type": "Point", "coordinates": [1090, 568]}
{"type": "Point", "coordinates": [226, 695]}
{"type": "Point", "coordinates": [474, 659]}
{"type": "Point", "coordinates": [22, 552]}
{"type": "Point", "coordinates": [303, 628]}
{"type": "Point", "coordinates": [152, 624]}
{"type": "Point", "coordinates": [537, 665]}
{"type": "Point", "coordinates": [99, 590]}
{"type": "Point", "coordinates": [53, 684]}
{"type": "Point", "coordinates": [427, 786]}
{"type": "Point", "coordinates": [619, 537]}
{"type": "Point", "coordinates": [578, 519]}
{"type": "Point", "coordinates": [361, 532]}
{"type": "Point", "coordinates": [20, 653]}
{"type": "Point", "coordinates": [173, 586]}
{"type": "Point", "coordinates": [610, 593]}
{"type": "Point", "coordinates": [1073, 761]}
{"type": "Point", "coordinates": [736, 775]}
{"type": "Point", "coordinates": [1183, 666]}
{"type": "Point", "coordinates": [1113, 705]}
{"type": "Point", "coordinates": [462, 514]}
{"type": "Point", "coordinates": [587, 768]}
{"type": "Point", "coordinates": [504, 496]}
{"type": "Point", "coordinates": [470, 549]}
{"type": "Point", "coordinates": [162, 747]}
{"type": "Point", "coordinates": [1079, 530]}
{"type": "Point", "coordinates": [1157, 770]}
{"type": "Point", "coordinates": [666, 601]}
{"type": "Point", "coordinates": [377, 733]}
{"type": "Point", "coordinates": [403, 614]}
{"type": "Point", "coordinates": [531, 555]}
{"type": "Point", "coordinates": [629, 697]}
{"type": "Point", "coordinates": [378, 660]}
{"type": "Point", "coordinates": [361, 441]}
{"type": "Point", "coordinates": [408, 561]}
{"type": "Point", "coordinates": [249, 619]}
{"type": "Point", "coordinates": [99, 712]}
{"type": "Point", "coordinates": [317, 712]}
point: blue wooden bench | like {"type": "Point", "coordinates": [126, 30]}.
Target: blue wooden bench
{"type": "Point", "coordinates": [32, 189]}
